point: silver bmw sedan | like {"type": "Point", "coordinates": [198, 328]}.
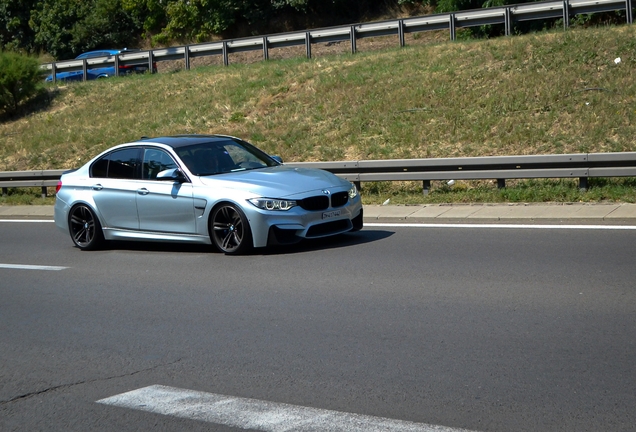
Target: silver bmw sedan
{"type": "Point", "coordinates": [201, 189]}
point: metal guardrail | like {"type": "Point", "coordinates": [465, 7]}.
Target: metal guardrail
{"type": "Point", "coordinates": [500, 168]}
{"type": "Point", "coordinates": [506, 15]}
{"type": "Point", "coordinates": [41, 178]}
{"type": "Point", "coordinates": [581, 166]}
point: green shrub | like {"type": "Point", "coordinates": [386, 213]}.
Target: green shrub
{"type": "Point", "coordinates": [20, 79]}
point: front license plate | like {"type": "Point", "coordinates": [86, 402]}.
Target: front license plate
{"type": "Point", "coordinates": [331, 214]}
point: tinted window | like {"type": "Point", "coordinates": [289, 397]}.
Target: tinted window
{"type": "Point", "coordinates": [100, 168]}
{"type": "Point", "coordinates": [121, 164]}
{"type": "Point", "coordinates": [156, 161]}
{"type": "Point", "coordinates": [92, 55]}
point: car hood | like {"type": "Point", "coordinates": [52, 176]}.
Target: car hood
{"type": "Point", "coordinates": [276, 182]}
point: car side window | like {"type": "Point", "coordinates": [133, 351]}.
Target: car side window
{"type": "Point", "coordinates": [155, 161]}
{"type": "Point", "coordinates": [121, 164]}
{"type": "Point", "coordinates": [92, 55]}
{"type": "Point", "coordinates": [100, 168]}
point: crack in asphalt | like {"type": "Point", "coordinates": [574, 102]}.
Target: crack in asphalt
{"type": "Point", "coordinates": [57, 387]}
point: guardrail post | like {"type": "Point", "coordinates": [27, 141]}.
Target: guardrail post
{"type": "Point", "coordinates": [401, 32]}
{"type": "Point", "coordinates": [352, 35]}
{"type": "Point", "coordinates": [629, 11]}
{"type": "Point", "coordinates": [308, 44]}
{"type": "Point", "coordinates": [186, 56]}
{"type": "Point", "coordinates": [566, 14]}
{"type": "Point", "coordinates": [501, 183]}
{"type": "Point", "coordinates": [451, 26]}
{"type": "Point", "coordinates": [426, 187]}
{"type": "Point", "coordinates": [5, 191]}
{"type": "Point", "coordinates": [151, 59]}
{"type": "Point", "coordinates": [508, 21]}
{"type": "Point", "coordinates": [226, 60]}
{"type": "Point", "coordinates": [583, 184]}
{"type": "Point", "coordinates": [265, 48]}
{"type": "Point", "coordinates": [44, 192]}
{"type": "Point", "coordinates": [358, 185]}
{"type": "Point", "coordinates": [116, 65]}
{"type": "Point", "coordinates": [85, 70]}
{"type": "Point", "coordinates": [53, 74]}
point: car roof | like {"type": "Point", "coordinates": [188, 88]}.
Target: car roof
{"type": "Point", "coordinates": [101, 52]}
{"type": "Point", "coordinates": [177, 141]}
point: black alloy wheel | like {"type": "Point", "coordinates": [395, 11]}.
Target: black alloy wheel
{"type": "Point", "coordinates": [230, 230]}
{"type": "Point", "coordinates": [85, 229]}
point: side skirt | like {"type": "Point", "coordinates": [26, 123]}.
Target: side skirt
{"type": "Point", "coordinates": [119, 234]}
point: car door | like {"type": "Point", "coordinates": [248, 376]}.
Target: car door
{"type": "Point", "coordinates": [114, 185]}
{"type": "Point", "coordinates": [163, 205]}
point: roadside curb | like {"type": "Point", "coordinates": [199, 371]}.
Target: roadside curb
{"type": "Point", "coordinates": [503, 213]}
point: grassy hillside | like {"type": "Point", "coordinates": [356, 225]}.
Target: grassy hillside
{"type": "Point", "coordinates": [559, 92]}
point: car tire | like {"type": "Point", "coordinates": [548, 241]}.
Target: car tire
{"type": "Point", "coordinates": [84, 227]}
{"type": "Point", "coordinates": [230, 230]}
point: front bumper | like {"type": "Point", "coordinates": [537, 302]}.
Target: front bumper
{"type": "Point", "coordinates": [276, 227]}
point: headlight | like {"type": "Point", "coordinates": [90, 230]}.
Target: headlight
{"type": "Point", "coordinates": [273, 203]}
{"type": "Point", "coordinates": [353, 192]}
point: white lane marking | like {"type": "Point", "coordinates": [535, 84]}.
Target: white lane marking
{"type": "Point", "coordinates": [503, 226]}
{"type": "Point", "coordinates": [31, 267]}
{"type": "Point", "coordinates": [425, 225]}
{"type": "Point", "coordinates": [26, 220]}
{"type": "Point", "coordinates": [257, 414]}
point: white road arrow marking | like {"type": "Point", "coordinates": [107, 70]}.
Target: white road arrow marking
{"type": "Point", "coordinates": [257, 414]}
{"type": "Point", "coordinates": [31, 267]}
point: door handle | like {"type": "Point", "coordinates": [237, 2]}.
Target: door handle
{"type": "Point", "coordinates": [143, 191]}
{"type": "Point", "coordinates": [97, 187]}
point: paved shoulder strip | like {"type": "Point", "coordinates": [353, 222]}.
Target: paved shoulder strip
{"type": "Point", "coordinates": [31, 267]}
{"type": "Point", "coordinates": [257, 414]}
{"type": "Point", "coordinates": [501, 226]}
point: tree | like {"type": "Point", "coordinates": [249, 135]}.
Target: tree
{"type": "Point", "coordinates": [20, 79]}
{"type": "Point", "coordinates": [53, 23]}
{"type": "Point", "coordinates": [15, 33]}
{"type": "Point", "coordinates": [149, 15]}
{"type": "Point", "coordinates": [199, 19]}
{"type": "Point", "coordinates": [107, 25]}
{"type": "Point", "coordinates": [65, 28]}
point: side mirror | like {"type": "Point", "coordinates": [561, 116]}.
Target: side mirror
{"type": "Point", "coordinates": [277, 158]}
{"type": "Point", "coordinates": [173, 174]}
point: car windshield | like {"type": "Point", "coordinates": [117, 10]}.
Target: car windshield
{"type": "Point", "coordinates": [218, 157]}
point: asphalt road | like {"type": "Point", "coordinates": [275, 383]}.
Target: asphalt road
{"type": "Point", "coordinates": [484, 329]}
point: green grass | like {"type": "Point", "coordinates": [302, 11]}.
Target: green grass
{"type": "Point", "coordinates": [546, 93]}
{"type": "Point", "coordinates": [26, 196]}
